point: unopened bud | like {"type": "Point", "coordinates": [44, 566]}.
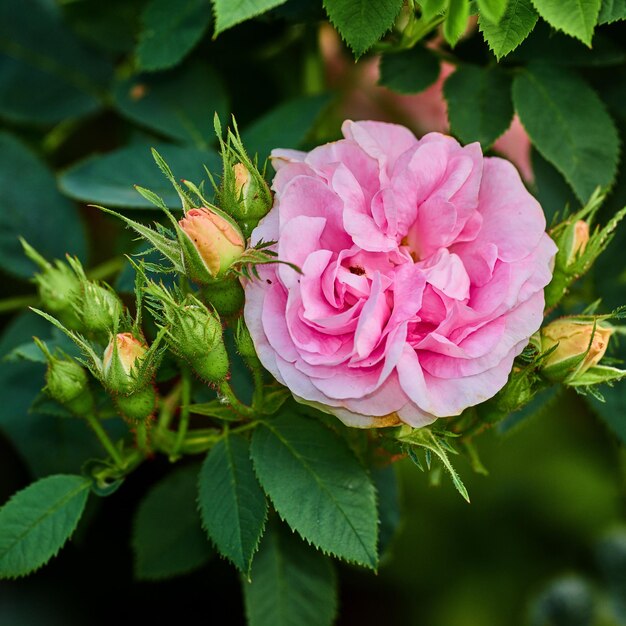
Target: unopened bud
{"type": "Point", "coordinates": [225, 296]}
{"type": "Point", "coordinates": [67, 383]}
{"type": "Point", "coordinates": [99, 308]}
{"type": "Point", "coordinates": [579, 346]}
{"type": "Point", "coordinates": [253, 198]}
{"type": "Point", "coordinates": [215, 244]}
{"type": "Point", "coordinates": [122, 361]}
{"type": "Point", "coordinates": [575, 240]}
{"type": "Point", "coordinates": [245, 345]}
{"type": "Point", "coordinates": [139, 405]}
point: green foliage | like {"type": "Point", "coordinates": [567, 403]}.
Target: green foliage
{"type": "Point", "coordinates": [569, 125]}
{"type": "Point", "coordinates": [479, 103]}
{"type": "Point", "coordinates": [515, 25]}
{"type": "Point", "coordinates": [169, 31]}
{"type": "Point", "coordinates": [109, 179]}
{"type": "Point", "coordinates": [231, 501]}
{"type": "Point", "coordinates": [177, 105]}
{"type": "Point", "coordinates": [362, 23]}
{"type": "Point", "coordinates": [37, 521]}
{"type": "Point", "coordinates": [231, 12]}
{"type": "Point", "coordinates": [52, 225]}
{"type": "Point", "coordinates": [317, 486]}
{"type": "Point", "coordinates": [492, 10]}
{"type": "Point", "coordinates": [386, 482]}
{"type": "Point", "coordinates": [291, 584]}
{"type": "Point", "coordinates": [612, 11]}
{"type": "Point", "coordinates": [47, 74]}
{"type": "Point", "coordinates": [167, 535]}
{"type": "Point", "coordinates": [577, 18]}
{"type": "Point", "coordinates": [286, 126]}
{"type": "Point", "coordinates": [409, 71]}
{"type": "Point", "coordinates": [456, 20]}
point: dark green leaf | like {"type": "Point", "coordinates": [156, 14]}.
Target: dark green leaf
{"type": "Point", "coordinates": [409, 71]}
{"type": "Point", "coordinates": [361, 23]}
{"type": "Point", "coordinates": [569, 125]}
{"type": "Point", "coordinates": [493, 10]}
{"type": "Point", "coordinates": [612, 11]}
{"type": "Point", "coordinates": [386, 483]}
{"type": "Point", "coordinates": [456, 20]}
{"type": "Point", "coordinates": [515, 25]}
{"type": "Point", "coordinates": [479, 103]}
{"type": "Point", "coordinates": [286, 126]}
{"type": "Point", "coordinates": [231, 501]}
{"type": "Point", "coordinates": [179, 104]}
{"type": "Point", "coordinates": [292, 584]}
{"type": "Point", "coordinates": [47, 74]}
{"type": "Point", "coordinates": [167, 535]}
{"type": "Point", "coordinates": [317, 486]}
{"type": "Point", "coordinates": [37, 521]}
{"type": "Point", "coordinates": [551, 189]}
{"type": "Point", "coordinates": [577, 18]}
{"type": "Point", "coordinates": [169, 31]}
{"type": "Point", "coordinates": [109, 179]}
{"type": "Point", "coordinates": [38, 212]}
{"type": "Point", "coordinates": [231, 12]}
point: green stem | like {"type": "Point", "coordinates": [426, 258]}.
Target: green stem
{"type": "Point", "coordinates": [183, 425]}
{"type": "Point", "coordinates": [105, 440]}
{"type": "Point", "coordinates": [226, 390]}
{"type": "Point", "coordinates": [257, 396]}
{"type": "Point", "coordinates": [142, 438]}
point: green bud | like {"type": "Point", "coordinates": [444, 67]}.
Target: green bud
{"type": "Point", "coordinates": [139, 405]}
{"type": "Point", "coordinates": [67, 383]}
{"type": "Point", "coordinates": [248, 196]}
{"type": "Point", "coordinates": [122, 364]}
{"type": "Point", "coordinates": [226, 296]}
{"type": "Point", "coordinates": [245, 345]}
{"type": "Point", "coordinates": [98, 307]}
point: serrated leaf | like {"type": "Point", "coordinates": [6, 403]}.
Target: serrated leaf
{"type": "Point", "coordinates": [409, 71]}
{"type": "Point", "coordinates": [53, 227]}
{"type": "Point", "coordinates": [479, 103]}
{"type": "Point", "coordinates": [361, 23]}
{"type": "Point", "coordinates": [431, 8]}
{"type": "Point", "coordinates": [493, 10]}
{"type": "Point", "coordinates": [109, 179]}
{"type": "Point", "coordinates": [456, 20]}
{"type": "Point", "coordinates": [291, 585]}
{"type": "Point", "coordinates": [169, 31]}
{"type": "Point", "coordinates": [231, 501]}
{"type": "Point", "coordinates": [569, 125]}
{"type": "Point", "coordinates": [286, 126]}
{"type": "Point", "coordinates": [612, 11]}
{"type": "Point", "coordinates": [317, 486]}
{"type": "Point", "coordinates": [178, 104]}
{"type": "Point", "coordinates": [231, 12]}
{"type": "Point", "coordinates": [47, 75]}
{"type": "Point", "coordinates": [167, 534]}
{"type": "Point", "coordinates": [37, 521]}
{"type": "Point", "coordinates": [577, 18]}
{"type": "Point", "coordinates": [516, 24]}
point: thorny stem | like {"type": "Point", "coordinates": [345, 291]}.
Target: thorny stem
{"type": "Point", "coordinates": [226, 390]}
{"type": "Point", "coordinates": [185, 398]}
{"type": "Point", "coordinates": [105, 440]}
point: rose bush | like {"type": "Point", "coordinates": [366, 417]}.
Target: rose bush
{"type": "Point", "coordinates": [423, 268]}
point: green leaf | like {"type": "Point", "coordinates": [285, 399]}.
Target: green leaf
{"type": "Point", "coordinates": [479, 103]}
{"type": "Point", "coordinates": [286, 126]}
{"type": "Point", "coordinates": [456, 21]}
{"type": "Point", "coordinates": [493, 10]}
{"type": "Point", "coordinates": [231, 501]}
{"type": "Point", "coordinates": [109, 179]}
{"type": "Point", "coordinates": [317, 486]}
{"type": "Point", "coordinates": [47, 74]}
{"type": "Point", "coordinates": [179, 105]}
{"type": "Point", "coordinates": [170, 31]}
{"type": "Point", "coordinates": [577, 18]}
{"type": "Point", "coordinates": [37, 521]}
{"type": "Point", "coordinates": [361, 23]}
{"type": "Point", "coordinates": [431, 8]}
{"type": "Point", "coordinates": [39, 213]}
{"type": "Point", "coordinates": [292, 584]}
{"type": "Point", "coordinates": [612, 11]}
{"type": "Point", "coordinates": [386, 483]}
{"type": "Point", "coordinates": [515, 25]}
{"type": "Point", "coordinates": [231, 12]}
{"type": "Point", "coordinates": [409, 71]}
{"type": "Point", "coordinates": [167, 534]}
{"type": "Point", "coordinates": [569, 125]}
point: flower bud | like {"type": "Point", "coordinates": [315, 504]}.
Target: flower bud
{"type": "Point", "coordinates": [216, 243]}
{"type": "Point", "coordinates": [245, 345]}
{"type": "Point", "coordinates": [252, 197]}
{"type": "Point", "coordinates": [579, 346]}
{"type": "Point", "coordinates": [139, 405]}
{"type": "Point", "coordinates": [121, 362]}
{"type": "Point", "coordinates": [579, 239]}
{"type": "Point", "coordinates": [98, 307]}
{"type": "Point", "coordinates": [225, 296]}
{"type": "Point", "coordinates": [68, 384]}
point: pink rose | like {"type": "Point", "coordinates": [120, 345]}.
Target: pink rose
{"type": "Point", "coordinates": [423, 273]}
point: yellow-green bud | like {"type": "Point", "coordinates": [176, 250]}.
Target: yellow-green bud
{"type": "Point", "coordinates": [225, 296]}
{"type": "Point", "coordinates": [67, 383]}
{"type": "Point", "coordinates": [98, 307]}
{"type": "Point", "coordinates": [253, 198]}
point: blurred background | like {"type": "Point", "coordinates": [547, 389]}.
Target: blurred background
{"type": "Point", "coordinates": [86, 88]}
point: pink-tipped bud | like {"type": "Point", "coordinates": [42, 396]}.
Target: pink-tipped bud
{"type": "Point", "coordinates": [579, 239]}
{"type": "Point", "coordinates": [217, 241]}
{"type": "Point", "coordinates": [121, 361]}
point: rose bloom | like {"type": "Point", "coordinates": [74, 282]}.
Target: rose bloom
{"type": "Point", "coordinates": [423, 268]}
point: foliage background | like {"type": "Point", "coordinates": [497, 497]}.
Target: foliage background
{"type": "Point", "coordinates": [86, 87]}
